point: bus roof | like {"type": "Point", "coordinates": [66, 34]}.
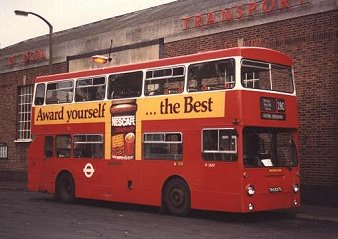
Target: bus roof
{"type": "Point", "coordinates": [253, 53]}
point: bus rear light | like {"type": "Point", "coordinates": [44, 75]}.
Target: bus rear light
{"type": "Point", "coordinates": [295, 188]}
{"type": "Point", "coordinates": [250, 190]}
{"type": "Point", "coordinates": [251, 207]}
{"type": "Point", "coordinates": [295, 203]}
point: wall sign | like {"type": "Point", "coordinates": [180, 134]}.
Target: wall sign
{"type": "Point", "coordinates": [238, 12]}
{"type": "Point", "coordinates": [29, 57]}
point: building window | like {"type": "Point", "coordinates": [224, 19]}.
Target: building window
{"type": "Point", "coordinates": [162, 146]}
{"type": "Point", "coordinates": [25, 97]}
{"type": "Point", "coordinates": [3, 151]}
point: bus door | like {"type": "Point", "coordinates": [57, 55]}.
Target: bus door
{"type": "Point", "coordinates": [35, 160]}
{"type": "Point", "coordinates": [219, 157]}
{"type": "Point", "coordinates": [56, 149]}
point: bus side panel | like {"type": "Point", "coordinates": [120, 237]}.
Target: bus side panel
{"type": "Point", "coordinates": [111, 180]}
{"type": "Point", "coordinates": [124, 181]}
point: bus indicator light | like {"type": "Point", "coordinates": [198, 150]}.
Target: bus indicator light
{"type": "Point", "coordinates": [250, 190]}
{"type": "Point", "coordinates": [296, 188]}
{"type": "Point", "coordinates": [251, 207]}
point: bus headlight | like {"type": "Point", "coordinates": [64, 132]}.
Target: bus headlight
{"type": "Point", "coordinates": [250, 190]}
{"type": "Point", "coordinates": [295, 188]}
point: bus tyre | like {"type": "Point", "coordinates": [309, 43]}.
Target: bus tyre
{"type": "Point", "coordinates": [177, 197]}
{"type": "Point", "coordinates": [65, 188]}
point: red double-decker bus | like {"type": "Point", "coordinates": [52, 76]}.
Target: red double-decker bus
{"type": "Point", "coordinates": [213, 131]}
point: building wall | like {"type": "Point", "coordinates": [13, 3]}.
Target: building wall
{"type": "Point", "coordinates": [119, 56]}
{"type": "Point", "coordinates": [312, 42]}
{"type": "Point", "coordinates": [17, 151]}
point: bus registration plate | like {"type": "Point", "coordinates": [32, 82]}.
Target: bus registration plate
{"type": "Point", "coordinates": [275, 189]}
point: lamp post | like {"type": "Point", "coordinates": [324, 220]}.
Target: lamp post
{"type": "Point", "coordinates": [25, 14]}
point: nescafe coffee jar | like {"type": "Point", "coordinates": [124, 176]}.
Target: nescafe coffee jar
{"type": "Point", "coordinates": [123, 114]}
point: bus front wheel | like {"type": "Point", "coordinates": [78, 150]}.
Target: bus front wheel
{"type": "Point", "coordinates": [177, 197]}
{"type": "Point", "coordinates": [65, 188]}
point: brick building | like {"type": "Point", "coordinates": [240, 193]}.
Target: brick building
{"type": "Point", "coordinates": [304, 29]}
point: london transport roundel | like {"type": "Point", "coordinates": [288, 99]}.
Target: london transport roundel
{"type": "Point", "coordinates": [88, 170]}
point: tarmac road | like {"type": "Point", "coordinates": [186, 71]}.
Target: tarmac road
{"type": "Point", "coordinates": [36, 215]}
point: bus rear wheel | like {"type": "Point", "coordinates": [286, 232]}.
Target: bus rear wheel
{"type": "Point", "coordinates": [65, 188]}
{"type": "Point", "coordinates": [177, 197]}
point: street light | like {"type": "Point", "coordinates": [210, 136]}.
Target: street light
{"type": "Point", "coordinates": [25, 14]}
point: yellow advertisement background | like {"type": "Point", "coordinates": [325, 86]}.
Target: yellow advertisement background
{"type": "Point", "coordinates": [164, 107]}
{"type": "Point", "coordinates": [150, 109]}
{"type": "Point", "coordinates": [72, 113]}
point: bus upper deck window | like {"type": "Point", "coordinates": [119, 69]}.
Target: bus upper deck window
{"type": "Point", "coordinates": [266, 76]}
{"type": "Point", "coordinates": [90, 89]}
{"type": "Point", "coordinates": [213, 75]}
{"type": "Point", "coordinates": [255, 75]}
{"type": "Point", "coordinates": [39, 94]}
{"type": "Point", "coordinates": [165, 81]}
{"type": "Point", "coordinates": [59, 92]}
{"type": "Point", "coordinates": [125, 85]}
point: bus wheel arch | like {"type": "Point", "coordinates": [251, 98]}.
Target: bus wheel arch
{"type": "Point", "coordinates": [65, 187]}
{"type": "Point", "coordinates": [176, 196]}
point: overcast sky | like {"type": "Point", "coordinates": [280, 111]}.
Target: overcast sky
{"type": "Point", "coordinates": [62, 14]}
